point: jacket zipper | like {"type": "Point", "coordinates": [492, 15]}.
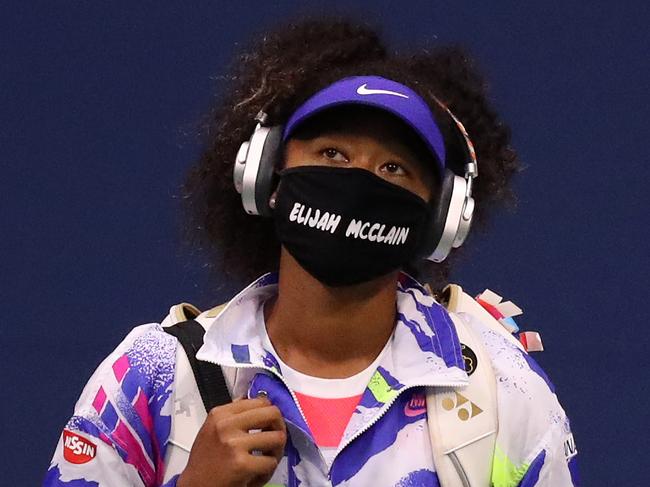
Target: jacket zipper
{"type": "Point", "coordinates": [385, 409]}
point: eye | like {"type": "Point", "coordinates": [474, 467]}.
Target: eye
{"type": "Point", "coordinates": [393, 168]}
{"type": "Point", "coordinates": [334, 154]}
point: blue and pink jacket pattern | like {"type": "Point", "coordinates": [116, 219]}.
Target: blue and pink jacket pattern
{"type": "Point", "coordinates": [120, 431]}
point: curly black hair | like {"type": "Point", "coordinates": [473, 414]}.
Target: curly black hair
{"type": "Point", "coordinates": [277, 74]}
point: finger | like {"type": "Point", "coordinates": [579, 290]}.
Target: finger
{"type": "Point", "coordinates": [264, 441]}
{"type": "Point", "coordinates": [259, 481]}
{"type": "Point", "coordinates": [241, 405]}
{"type": "Point", "coordinates": [277, 423]}
{"type": "Point", "coordinates": [262, 465]}
{"type": "Point", "coordinates": [266, 418]}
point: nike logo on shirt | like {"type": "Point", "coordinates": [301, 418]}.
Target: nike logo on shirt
{"type": "Point", "coordinates": [416, 406]}
{"type": "Point", "coordinates": [364, 90]}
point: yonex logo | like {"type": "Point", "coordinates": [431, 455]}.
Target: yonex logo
{"type": "Point", "coordinates": [364, 90]}
{"type": "Point", "coordinates": [466, 408]}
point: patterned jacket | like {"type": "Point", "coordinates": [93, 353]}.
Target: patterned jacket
{"type": "Point", "coordinates": [119, 434]}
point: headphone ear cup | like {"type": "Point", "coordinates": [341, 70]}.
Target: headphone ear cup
{"type": "Point", "coordinates": [254, 169]}
{"type": "Point", "coordinates": [439, 209]}
{"type": "Point", "coordinates": [265, 181]}
{"type": "Point", "coordinates": [445, 217]}
{"type": "Point", "coordinates": [465, 223]}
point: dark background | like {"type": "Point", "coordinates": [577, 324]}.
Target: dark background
{"type": "Point", "coordinates": [98, 107]}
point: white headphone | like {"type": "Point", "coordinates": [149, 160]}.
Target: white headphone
{"type": "Point", "coordinates": [455, 205]}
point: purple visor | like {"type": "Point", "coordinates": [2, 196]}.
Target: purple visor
{"type": "Point", "coordinates": [378, 92]}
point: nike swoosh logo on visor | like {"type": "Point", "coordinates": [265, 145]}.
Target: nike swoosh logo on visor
{"type": "Point", "coordinates": [364, 90]}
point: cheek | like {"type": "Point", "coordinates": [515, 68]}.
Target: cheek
{"type": "Point", "coordinates": [428, 186]}
{"type": "Point", "coordinates": [426, 192]}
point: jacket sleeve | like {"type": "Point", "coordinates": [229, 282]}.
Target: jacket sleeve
{"type": "Point", "coordinates": [534, 444]}
{"type": "Point", "coordinates": [118, 433]}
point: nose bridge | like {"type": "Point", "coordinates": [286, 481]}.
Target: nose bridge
{"type": "Point", "coordinates": [368, 156]}
{"type": "Point", "coordinates": [365, 163]}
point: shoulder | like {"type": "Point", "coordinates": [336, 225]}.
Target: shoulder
{"type": "Point", "coordinates": [534, 432]}
{"type": "Point", "coordinates": [490, 319]}
{"type": "Point", "coordinates": [144, 360]}
{"type": "Point", "coordinates": [123, 415]}
{"type": "Point", "coordinates": [509, 360]}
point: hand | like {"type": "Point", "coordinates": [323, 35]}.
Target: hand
{"type": "Point", "coordinates": [222, 452]}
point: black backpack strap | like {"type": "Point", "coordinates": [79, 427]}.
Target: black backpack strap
{"type": "Point", "coordinates": [209, 377]}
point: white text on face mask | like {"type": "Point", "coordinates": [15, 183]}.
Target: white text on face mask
{"type": "Point", "coordinates": [324, 221]}
{"type": "Point", "coordinates": [329, 222]}
{"type": "Point", "coordinates": [374, 232]}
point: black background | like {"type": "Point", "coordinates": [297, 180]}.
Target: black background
{"type": "Point", "coordinates": [98, 106]}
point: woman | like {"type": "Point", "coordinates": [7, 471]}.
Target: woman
{"type": "Point", "coordinates": [359, 164]}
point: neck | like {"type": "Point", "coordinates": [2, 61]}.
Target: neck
{"type": "Point", "coordinates": [329, 332]}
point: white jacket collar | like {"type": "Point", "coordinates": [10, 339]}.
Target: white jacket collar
{"type": "Point", "coordinates": [425, 349]}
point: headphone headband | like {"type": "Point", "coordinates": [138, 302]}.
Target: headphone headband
{"type": "Point", "coordinates": [471, 164]}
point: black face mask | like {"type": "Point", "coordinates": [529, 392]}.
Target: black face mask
{"type": "Point", "coordinates": [346, 225]}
